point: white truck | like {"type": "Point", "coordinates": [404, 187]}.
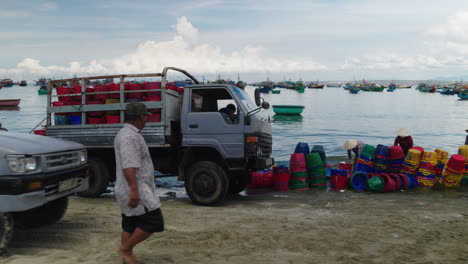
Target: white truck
{"type": "Point", "coordinates": [190, 136]}
{"type": "Point", "coordinates": [37, 174]}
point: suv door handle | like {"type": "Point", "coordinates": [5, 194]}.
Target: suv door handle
{"type": "Point", "coordinates": [193, 126]}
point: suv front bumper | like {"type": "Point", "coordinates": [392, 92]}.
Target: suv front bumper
{"type": "Point", "coordinates": [17, 195]}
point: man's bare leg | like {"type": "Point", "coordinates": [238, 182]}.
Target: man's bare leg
{"type": "Point", "coordinates": [129, 241]}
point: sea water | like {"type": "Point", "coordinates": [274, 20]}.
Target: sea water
{"type": "Point", "coordinates": [330, 116]}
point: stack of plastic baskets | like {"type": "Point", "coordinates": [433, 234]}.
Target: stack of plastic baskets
{"type": "Point", "coordinates": [380, 159]}
{"type": "Point", "coordinates": [317, 171]}
{"type": "Point", "coordinates": [454, 171]}
{"type": "Point", "coordinates": [396, 157]}
{"type": "Point", "coordinates": [281, 178]}
{"type": "Point", "coordinates": [411, 162]}
{"type": "Point", "coordinates": [427, 169]}
{"type": "Point", "coordinates": [365, 159]}
{"type": "Point", "coordinates": [463, 150]}
{"type": "Point", "coordinates": [298, 180]}
{"type": "Point", "coordinates": [442, 157]}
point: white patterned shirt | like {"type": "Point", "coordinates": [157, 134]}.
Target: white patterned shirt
{"type": "Point", "coordinates": [131, 151]}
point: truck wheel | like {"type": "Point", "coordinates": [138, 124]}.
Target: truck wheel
{"type": "Point", "coordinates": [238, 181]}
{"type": "Point", "coordinates": [47, 214]}
{"type": "Point", "coordinates": [206, 183]}
{"type": "Point", "coordinates": [98, 178]}
{"type": "Point", "coordinates": [6, 231]}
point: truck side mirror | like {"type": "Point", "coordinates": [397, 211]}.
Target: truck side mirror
{"type": "Point", "coordinates": [265, 105]}
{"type": "Point", "coordinates": [257, 96]}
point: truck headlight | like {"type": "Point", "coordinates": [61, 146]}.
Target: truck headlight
{"type": "Point", "coordinates": [83, 156]}
{"type": "Point", "coordinates": [22, 164]}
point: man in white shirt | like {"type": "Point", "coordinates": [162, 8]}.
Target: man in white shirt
{"type": "Point", "coordinates": [135, 190]}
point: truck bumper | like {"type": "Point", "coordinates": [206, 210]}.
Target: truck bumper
{"type": "Point", "coordinates": [16, 194]}
{"type": "Point", "coordinates": [261, 163]}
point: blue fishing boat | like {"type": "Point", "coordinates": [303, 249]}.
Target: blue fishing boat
{"type": "Point", "coordinates": [354, 90]}
{"type": "Point", "coordinates": [447, 91]}
{"type": "Point", "coordinates": [265, 89]}
{"type": "Point", "coordinates": [463, 95]}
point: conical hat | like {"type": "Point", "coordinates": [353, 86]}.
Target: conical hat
{"type": "Point", "coordinates": [350, 144]}
{"type": "Point", "coordinates": [403, 132]}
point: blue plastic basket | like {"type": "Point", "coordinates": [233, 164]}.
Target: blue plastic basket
{"type": "Point", "coordinates": [75, 120]}
{"type": "Point", "coordinates": [61, 120]}
{"type": "Point", "coordinates": [359, 181]}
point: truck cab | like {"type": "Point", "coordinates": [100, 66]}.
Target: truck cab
{"type": "Point", "coordinates": [235, 145]}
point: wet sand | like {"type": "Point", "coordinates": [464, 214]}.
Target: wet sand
{"type": "Point", "coordinates": [291, 227]}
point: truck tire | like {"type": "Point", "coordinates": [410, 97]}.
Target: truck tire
{"type": "Point", "coordinates": [206, 183]}
{"type": "Point", "coordinates": [6, 231]}
{"type": "Point", "coordinates": [238, 181]}
{"type": "Point", "coordinates": [98, 178]}
{"type": "Point", "coordinates": [47, 214]}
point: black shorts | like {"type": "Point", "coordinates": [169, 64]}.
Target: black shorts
{"type": "Point", "coordinates": [149, 222]}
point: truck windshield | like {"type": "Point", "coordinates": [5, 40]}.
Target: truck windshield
{"type": "Point", "coordinates": [246, 100]}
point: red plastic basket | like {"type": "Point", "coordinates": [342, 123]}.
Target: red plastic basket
{"type": "Point", "coordinates": [154, 118]}
{"type": "Point", "coordinates": [112, 119]}
{"type": "Point", "coordinates": [41, 132]}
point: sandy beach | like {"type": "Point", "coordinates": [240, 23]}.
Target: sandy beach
{"type": "Point", "coordinates": [290, 227]}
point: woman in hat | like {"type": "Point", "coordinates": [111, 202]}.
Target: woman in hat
{"type": "Point", "coordinates": [353, 145]}
{"type": "Point", "coordinates": [403, 139]}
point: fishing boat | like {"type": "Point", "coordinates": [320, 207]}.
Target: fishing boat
{"type": "Point", "coordinates": [9, 102]}
{"type": "Point", "coordinates": [447, 91]}
{"type": "Point", "coordinates": [316, 85]}
{"type": "Point", "coordinates": [391, 87]}
{"type": "Point", "coordinates": [42, 90]}
{"type": "Point", "coordinates": [463, 95]}
{"type": "Point", "coordinates": [23, 83]}
{"type": "Point", "coordinates": [405, 87]}
{"type": "Point", "coordinates": [288, 109]}
{"type": "Point", "coordinates": [276, 91]}
{"type": "Point", "coordinates": [41, 82]}
{"type": "Point", "coordinates": [354, 90]}
{"type": "Point", "coordinates": [265, 89]}
{"type": "Point", "coordinates": [7, 82]}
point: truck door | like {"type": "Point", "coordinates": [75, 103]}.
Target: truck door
{"type": "Point", "coordinates": [209, 121]}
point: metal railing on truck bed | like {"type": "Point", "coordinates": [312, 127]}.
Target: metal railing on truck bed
{"type": "Point", "coordinates": [102, 135]}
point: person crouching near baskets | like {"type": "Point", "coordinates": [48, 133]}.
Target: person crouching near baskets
{"type": "Point", "coordinates": [135, 190]}
{"type": "Point", "coordinates": [353, 146]}
{"type": "Point", "coordinates": [403, 139]}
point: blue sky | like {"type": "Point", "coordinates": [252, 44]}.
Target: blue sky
{"type": "Point", "coordinates": [324, 40]}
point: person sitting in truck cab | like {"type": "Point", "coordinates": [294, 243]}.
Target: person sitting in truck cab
{"type": "Point", "coordinates": [229, 113]}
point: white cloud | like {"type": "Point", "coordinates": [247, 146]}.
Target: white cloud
{"type": "Point", "coordinates": [450, 37]}
{"type": "Point", "coordinates": [182, 51]}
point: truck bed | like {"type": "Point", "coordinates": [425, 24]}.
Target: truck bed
{"type": "Point", "coordinates": [102, 135]}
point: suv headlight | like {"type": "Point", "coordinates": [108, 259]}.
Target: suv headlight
{"type": "Point", "coordinates": [21, 164]}
{"type": "Point", "coordinates": [83, 156]}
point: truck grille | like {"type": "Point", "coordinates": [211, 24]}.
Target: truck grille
{"type": "Point", "coordinates": [265, 143]}
{"type": "Point", "coordinates": [61, 161]}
